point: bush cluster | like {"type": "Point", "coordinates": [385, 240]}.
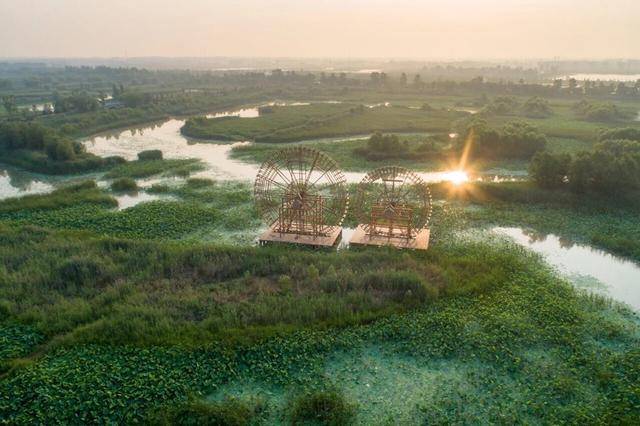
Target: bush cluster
{"type": "Point", "coordinates": [515, 140]}
{"type": "Point", "coordinates": [44, 150]}
{"type": "Point", "coordinates": [612, 167]}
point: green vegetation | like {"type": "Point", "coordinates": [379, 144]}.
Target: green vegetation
{"type": "Point", "coordinates": [167, 313]}
{"type": "Point", "coordinates": [75, 102]}
{"type": "Point", "coordinates": [201, 323]}
{"type": "Point", "coordinates": [420, 152]}
{"type": "Point", "coordinates": [501, 105]}
{"type": "Point", "coordinates": [537, 107]}
{"type": "Point", "coordinates": [124, 184]}
{"type": "Point", "coordinates": [151, 154]}
{"type": "Point", "coordinates": [36, 148]}
{"type": "Point", "coordinates": [381, 147]}
{"type": "Point", "coordinates": [322, 408]}
{"type": "Point", "coordinates": [613, 167]}
{"type": "Point", "coordinates": [231, 412]}
{"type": "Point", "coordinates": [513, 333]}
{"type": "Point", "coordinates": [221, 213]}
{"type": "Point", "coordinates": [587, 218]}
{"type": "Point", "coordinates": [86, 193]}
{"type": "Point", "coordinates": [516, 140]}
{"type": "Point", "coordinates": [606, 112]}
{"type": "Point", "coordinates": [295, 123]}
{"type": "Point", "coordinates": [148, 167]}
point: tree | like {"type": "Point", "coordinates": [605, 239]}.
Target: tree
{"type": "Point", "coordinates": [537, 107]}
{"type": "Point", "coordinates": [9, 103]}
{"type": "Point", "coordinates": [60, 149]}
{"type": "Point", "coordinates": [403, 79]}
{"type": "Point", "coordinates": [612, 167]}
{"type": "Point", "coordinates": [516, 139]}
{"type": "Point", "coordinates": [557, 85]}
{"type": "Point", "coordinates": [628, 133]}
{"type": "Point", "coordinates": [580, 172]}
{"type": "Point", "coordinates": [549, 170]}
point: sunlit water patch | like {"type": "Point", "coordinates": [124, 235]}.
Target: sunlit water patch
{"type": "Point", "coordinates": [166, 137]}
{"type": "Point", "coordinates": [586, 267]}
{"type": "Point", "coordinates": [128, 200]}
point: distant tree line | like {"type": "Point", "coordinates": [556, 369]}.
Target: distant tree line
{"type": "Point", "coordinates": [76, 102]}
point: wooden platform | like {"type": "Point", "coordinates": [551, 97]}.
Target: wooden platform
{"type": "Point", "coordinates": [360, 238]}
{"type": "Point", "coordinates": [334, 235]}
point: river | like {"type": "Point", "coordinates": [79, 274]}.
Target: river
{"type": "Point", "coordinates": [586, 267]}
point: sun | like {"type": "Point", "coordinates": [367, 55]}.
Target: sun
{"type": "Point", "coordinates": [457, 177]}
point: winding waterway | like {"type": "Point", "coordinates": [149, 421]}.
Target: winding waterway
{"type": "Point", "coordinates": [166, 137]}
{"type": "Point", "coordinates": [586, 267]}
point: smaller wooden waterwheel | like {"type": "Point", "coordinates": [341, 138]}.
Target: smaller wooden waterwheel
{"type": "Point", "coordinates": [393, 202]}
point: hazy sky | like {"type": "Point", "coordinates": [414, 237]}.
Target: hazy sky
{"type": "Point", "coordinates": [329, 28]}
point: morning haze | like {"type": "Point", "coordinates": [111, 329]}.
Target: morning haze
{"type": "Point", "coordinates": [322, 28]}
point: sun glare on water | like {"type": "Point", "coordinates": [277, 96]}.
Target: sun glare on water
{"type": "Point", "coordinates": [457, 177]}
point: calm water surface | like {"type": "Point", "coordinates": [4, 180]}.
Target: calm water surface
{"type": "Point", "coordinates": [126, 201]}
{"type": "Point", "coordinates": [587, 267]}
{"type": "Point", "coordinates": [15, 183]}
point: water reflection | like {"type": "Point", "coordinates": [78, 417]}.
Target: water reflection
{"type": "Point", "coordinates": [586, 267]}
{"type": "Point", "coordinates": [14, 183]}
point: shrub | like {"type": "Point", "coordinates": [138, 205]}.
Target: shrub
{"type": "Point", "coordinates": [151, 154]}
{"type": "Point", "coordinates": [81, 271]}
{"type": "Point", "coordinates": [401, 284]}
{"type": "Point", "coordinates": [230, 412]}
{"type": "Point", "coordinates": [598, 111]}
{"type": "Point", "coordinates": [381, 147]}
{"type": "Point", "coordinates": [629, 133]}
{"type": "Point", "coordinates": [124, 184]}
{"type": "Point", "coordinates": [613, 167]}
{"type": "Point", "coordinates": [537, 107]}
{"type": "Point", "coordinates": [199, 182]}
{"type": "Point", "coordinates": [549, 170]}
{"type": "Point", "coordinates": [60, 150]}
{"type": "Point", "coordinates": [501, 105]}
{"type": "Point", "coordinates": [516, 139]}
{"type": "Point", "coordinates": [322, 408]}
